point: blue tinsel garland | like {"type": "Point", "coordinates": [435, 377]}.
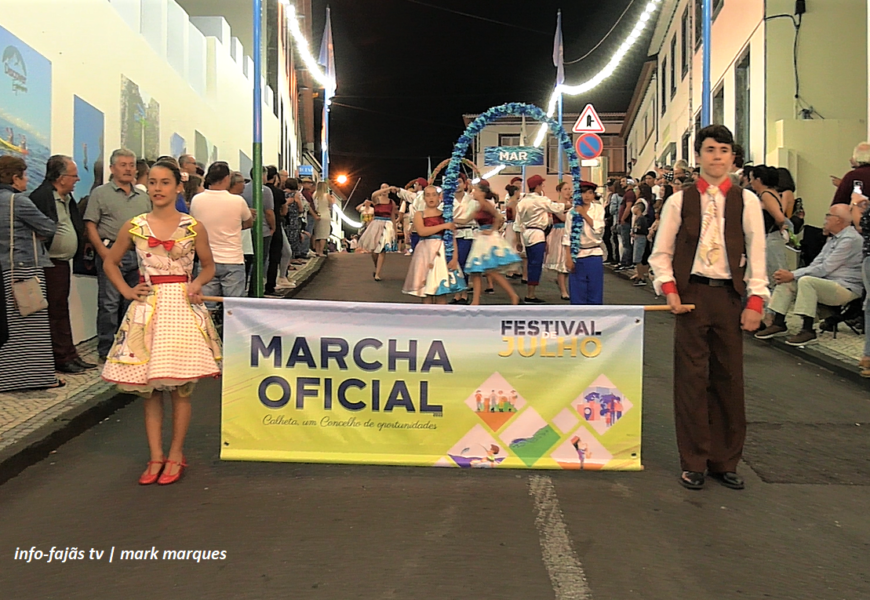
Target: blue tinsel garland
{"type": "Point", "coordinates": [451, 175]}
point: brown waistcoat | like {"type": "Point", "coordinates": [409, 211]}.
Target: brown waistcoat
{"type": "Point", "coordinates": [686, 243]}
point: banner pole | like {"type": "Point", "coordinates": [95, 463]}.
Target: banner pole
{"type": "Point", "coordinates": [257, 175]}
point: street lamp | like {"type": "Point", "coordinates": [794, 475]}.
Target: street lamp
{"type": "Point", "coordinates": [341, 179]}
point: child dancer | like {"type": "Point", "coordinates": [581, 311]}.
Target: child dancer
{"type": "Point", "coordinates": [429, 276]}
{"type": "Point", "coordinates": [556, 237]}
{"type": "Point", "coordinates": [489, 253]}
{"type": "Point", "coordinates": [585, 264]}
{"type": "Point", "coordinates": [167, 340]}
{"type": "Point", "coordinates": [380, 235]}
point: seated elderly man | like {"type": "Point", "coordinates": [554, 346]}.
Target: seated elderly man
{"type": "Point", "coordinates": [833, 278]}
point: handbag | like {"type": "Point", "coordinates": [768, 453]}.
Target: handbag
{"type": "Point", "coordinates": [27, 293]}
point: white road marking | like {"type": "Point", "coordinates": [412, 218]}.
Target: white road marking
{"type": "Point", "coordinates": [563, 566]}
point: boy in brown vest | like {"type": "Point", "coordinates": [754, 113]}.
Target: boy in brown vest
{"type": "Point", "coordinates": [709, 252]}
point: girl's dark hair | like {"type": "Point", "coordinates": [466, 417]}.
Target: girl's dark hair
{"type": "Point", "coordinates": [217, 171]}
{"type": "Point", "coordinates": [511, 189]}
{"type": "Point", "coordinates": [646, 192]}
{"type": "Point", "coordinates": [669, 191]}
{"type": "Point", "coordinates": [191, 187]}
{"type": "Point", "coordinates": [786, 181]}
{"type": "Point", "coordinates": [490, 195]}
{"type": "Point", "coordinates": [172, 166]}
{"type": "Point", "coordinates": [768, 176]}
{"type": "Point", "coordinates": [10, 166]}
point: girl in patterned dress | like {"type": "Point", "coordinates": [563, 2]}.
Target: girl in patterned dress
{"type": "Point", "coordinates": [490, 254]}
{"type": "Point", "coordinates": [167, 340]}
{"type": "Point", "coordinates": [555, 240]}
{"type": "Point", "coordinates": [430, 276]}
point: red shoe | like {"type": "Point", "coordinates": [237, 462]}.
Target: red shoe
{"type": "Point", "coordinates": [148, 477]}
{"type": "Point", "coordinates": [167, 479]}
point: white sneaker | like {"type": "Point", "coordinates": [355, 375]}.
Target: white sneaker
{"type": "Point", "coordinates": [311, 254]}
{"type": "Point", "coordinates": [283, 282]}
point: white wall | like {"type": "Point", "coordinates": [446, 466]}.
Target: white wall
{"type": "Point", "coordinates": [89, 64]}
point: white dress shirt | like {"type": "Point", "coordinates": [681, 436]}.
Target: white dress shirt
{"type": "Point", "coordinates": [462, 209]}
{"type": "Point", "coordinates": [661, 259]}
{"type": "Point", "coordinates": [533, 214]}
{"type": "Point", "coordinates": [590, 237]}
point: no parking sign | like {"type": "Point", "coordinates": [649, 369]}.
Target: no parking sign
{"type": "Point", "coordinates": [589, 146]}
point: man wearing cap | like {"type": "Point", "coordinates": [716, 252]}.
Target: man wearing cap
{"type": "Point", "coordinates": [586, 267]}
{"type": "Point", "coordinates": [533, 213]}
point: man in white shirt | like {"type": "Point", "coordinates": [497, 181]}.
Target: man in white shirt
{"type": "Point", "coordinates": [709, 252]}
{"type": "Point", "coordinates": [586, 266]}
{"type": "Point", "coordinates": [533, 213]}
{"type": "Point", "coordinates": [224, 216]}
{"type": "Point", "coordinates": [412, 202]}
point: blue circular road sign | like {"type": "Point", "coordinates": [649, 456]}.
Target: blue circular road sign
{"type": "Point", "coordinates": [589, 146]}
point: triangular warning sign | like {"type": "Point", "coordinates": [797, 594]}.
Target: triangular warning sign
{"type": "Point", "coordinates": [589, 121]}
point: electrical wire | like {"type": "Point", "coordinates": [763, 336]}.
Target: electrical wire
{"type": "Point", "coordinates": [464, 14]}
{"type": "Point", "coordinates": [612, 29]}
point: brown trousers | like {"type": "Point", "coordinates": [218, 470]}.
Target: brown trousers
{"type": "Point", "coordinates": [57, 288]}
{"type": "Point", "coordinates": [708, 380]}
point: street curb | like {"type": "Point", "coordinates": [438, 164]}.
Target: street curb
{"type": "Point", "coordinates": [307, 274]}
{"type": "Point", "coordinates": [839, 367]}
{"type": "Point", "coordinates": [39, 444]}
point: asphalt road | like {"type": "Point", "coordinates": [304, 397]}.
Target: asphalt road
{"type": "Point", "coordinates": [799, 530]}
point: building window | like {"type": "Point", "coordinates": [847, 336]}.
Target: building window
{"type": "Point", "coordinates": [717, 6]}
{"type": "Point", "coordinates": [685, 149]}
{"type": "Point", "coordinates": [698, 123]}
{"type": "Point", "coordinates": [645, 127]}
{"type": "Point", "coordinates": [684, 42]}
{"type": "Point", "coordinates": [553, 149]}
{"type": "Point", "coordinates": [742, 106]}
{"type": "Point", "coordinates": [664, 84]}
{"type": "Point", "coordinates": [509, 139]}
{"type": "Point", "coordinates": [718, 115]}
{"type": "Point", "coordinates": [674, 67]}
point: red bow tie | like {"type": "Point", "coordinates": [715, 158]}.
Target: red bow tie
{"type": "Point", "coordinates": [153, 242]}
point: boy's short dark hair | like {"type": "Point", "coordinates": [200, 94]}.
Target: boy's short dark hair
{"type": "Point", "coordinates": [720, 133]}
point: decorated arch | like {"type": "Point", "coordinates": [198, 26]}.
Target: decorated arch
{"type": "Point", "coordinates": [451, 176]}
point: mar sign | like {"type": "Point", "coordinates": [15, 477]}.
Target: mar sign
{"type": "Point", "coordinates": [513, 156]}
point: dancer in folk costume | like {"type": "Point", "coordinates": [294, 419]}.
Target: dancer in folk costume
{"type": "Point", "coordinates": [430, 276]}
{"type": "Point", "coordinates": [584, 259]}
{"type": "Point", "coordinates": [710, 251]}
{"type": "Point", "coordinates": [511, 228]}
{"type": "Point", "coordinates": [555, 260]}
{"type": "Point", "coordinates": [167, 341]}
{"type": "Point", "coordinates": [490, 254]}
{"type": "Point", "coordinates": [380, 235]}
{"type": "Point", "coordinates": [533, 213]}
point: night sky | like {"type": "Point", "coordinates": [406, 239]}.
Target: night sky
{"type": "Point", "coordinates": [408, 70]}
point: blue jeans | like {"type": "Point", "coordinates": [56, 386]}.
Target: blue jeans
{"type": "Point", "coordinates": [111, 306]}
{"type": "Point", "coordinates": [586, 283]}
{"type": "Point", "coordinates": [228, 281]}
{"type": "Point", "coordinates": [867, 306]}
{"type": "Point", "coordinates": [535, 255]}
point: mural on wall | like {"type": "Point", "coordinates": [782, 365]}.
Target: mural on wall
{"type": "Point", "coordinates": [200, 148]}
{"type": "Point", "coordinates": [177, 145]}
{"type": "Point", "coordinates": [89, 154]}
{"type": "Point", "coordinates": [88, 146]}
{"type": "Point", "coordinates": [140, 121]}
{"type": "Point", "coordinates": [25, 105]}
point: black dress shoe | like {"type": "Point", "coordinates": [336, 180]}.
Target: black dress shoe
{"type": "Point", "coordinates": [692, 480]}
{"type": "Point", "coordinates": [729, 480]}
{"type": "Point", "coordinates": [84, 364]}
{"type": "Point", "coordinates": [70, 367]}
{"type": "Point", "coordinates": [534, 301]}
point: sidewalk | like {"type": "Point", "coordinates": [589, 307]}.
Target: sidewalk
{"type": "Point", "coordinates": [840, 355]}
{"type": "Point", "coordinates": [35, 422]}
